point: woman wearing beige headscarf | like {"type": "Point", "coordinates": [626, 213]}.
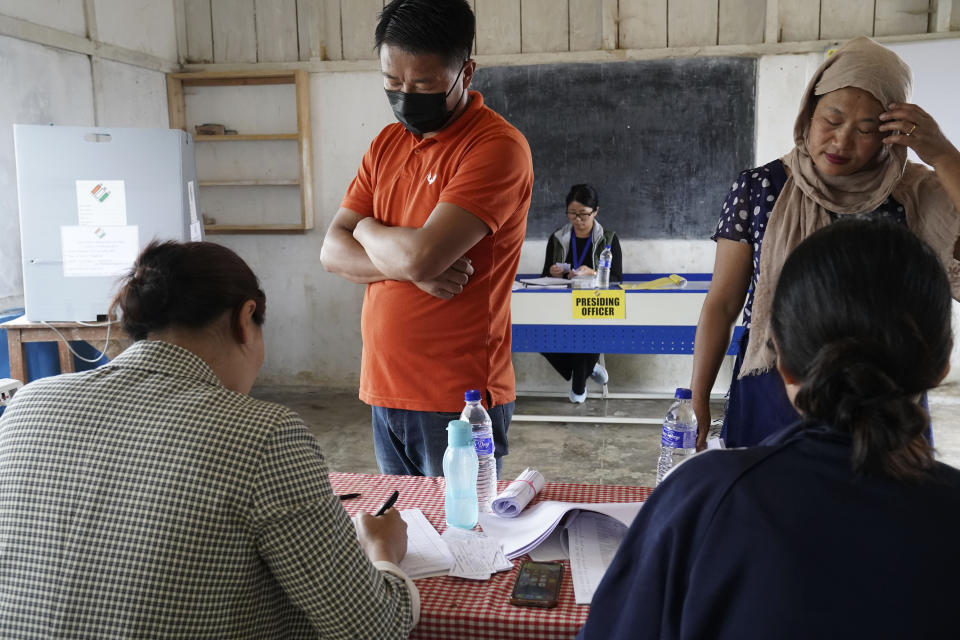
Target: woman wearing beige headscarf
{"type": "Point", "coordinates": [851, 138]}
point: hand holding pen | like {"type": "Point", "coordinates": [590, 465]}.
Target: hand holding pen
{"type": "Point", "coordinates": [384, 535]}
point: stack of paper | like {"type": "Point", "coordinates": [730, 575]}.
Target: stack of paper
{"type": "Point", "coordinates": [525, 532]}
{"type": "Point", "coordinates": [475, 556]}
{"type": "Point", "coordinates": [427, 555]}
{"type": "Point", "coordinates": [518, 494]}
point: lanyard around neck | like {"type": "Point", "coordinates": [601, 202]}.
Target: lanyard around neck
{"type": "Point", "coordinates": [578, 260]}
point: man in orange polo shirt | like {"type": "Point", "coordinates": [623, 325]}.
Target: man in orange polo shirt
{"type": "Point", "coordinates": [433, 224]}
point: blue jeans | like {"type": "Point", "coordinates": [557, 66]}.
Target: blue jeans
{"type": "Point", "coordinates": [412, 443]}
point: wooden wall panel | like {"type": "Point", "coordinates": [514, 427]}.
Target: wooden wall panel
{"type": "Point", "coordinates": [359, 19]}
{"type": "Point", "coordinates": [331, 38]}
{"type": "Point", "coordinates": [310, 24]}
{"type": "Point", "coordinates": [234, 31]}
{"type": "Point", "coordinates": [498, 26]}
{"type": "Point", "coordinates": [691, 22]}
{"type": "Point", "coordinates": [611, 20]}
{"type": "Point", "coordinates": [842, 19]}
{"type": "Point", "coordinates": [544, 26]}
{"type": "Point", "coordinates": [741, 21]}
{"type": "Point", "coordinates": [895, 17]}
{"type": "Point", "coordinates": [586, 25]}
{"type": "Point", "coordinates": [799, 20]}
{"type": "Point", "coordinates": [643, 24]}
{"type": "Point", "coordinates": [277, 39]}
{"type": "Point", "coordinates": [199, 30]}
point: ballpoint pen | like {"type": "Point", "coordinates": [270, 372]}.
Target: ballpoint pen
{"type": "Point", "coordinates": [389, 503]}
{"type": "Point", "coordinates": [348, 496]}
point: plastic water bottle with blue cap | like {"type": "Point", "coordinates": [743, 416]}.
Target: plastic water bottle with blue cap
{"type": "Point", "coordinates": [479, 419]}
{"type": "Point", "coordinates": [603, 268]}
{"type": "Point", "coordinates": [460, 474]}
{"type": "Point", "coordinates": [678, 440]}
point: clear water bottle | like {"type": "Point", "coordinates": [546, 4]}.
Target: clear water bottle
{"type": "Point", "coordinates": [479, 419]}
{"type": "Point", "coordinates": [678, 441]}
{"type": "Point", "coordinates": [603, 268]}
{"type": "Point", "coordinates": [460, 473]}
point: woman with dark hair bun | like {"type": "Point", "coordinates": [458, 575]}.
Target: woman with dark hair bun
{"type": "Point", "coordinates": [842, 526]}
{"type": "Point", "coordinates": [574, 250]}
{"type": "Point", "coordinates": [152, 497]}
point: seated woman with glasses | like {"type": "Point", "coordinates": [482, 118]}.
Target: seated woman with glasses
{"type": "Point", "coordinates": [842, 525]}
{"type": "Point", "coordinates": [574, 250]}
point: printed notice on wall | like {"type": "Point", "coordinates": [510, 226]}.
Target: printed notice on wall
{"type": "Point", "coordinates": [101, 203]}
{"type": "Point", "coordinates": [98, 251]}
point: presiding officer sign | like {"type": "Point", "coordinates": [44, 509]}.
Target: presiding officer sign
{"type": "Point", "coordinates": [599, 304]}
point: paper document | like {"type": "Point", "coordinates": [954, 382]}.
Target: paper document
{"type": "Point", "coordinates": [98, 251]}
{"type": "Point", "coordinates": [475, 556]}
{"type": "Point", "coordinates": [673, 281]}
{"type": "Point", "coordinates": [427, 554]}
{"type": "Point", "coordinates": [518, 493]}
{"type": "Point", "coordinates": [559, 283]}
{"type": "Point", "coordinates": [101, 203]}
{"type": "Point", "coordinates": [525, 532]}
{"type": "Point", "coordinates": [592, 540]}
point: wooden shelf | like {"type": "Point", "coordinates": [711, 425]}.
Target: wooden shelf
{"type": "Point", "coordinates": [253, 228]}
{"type": "Point", "coordinates": [300, 78]}
{"type": "Point", "coordinates": [250, 183]}
{"type": "Point", "coordinates": [256, 137]}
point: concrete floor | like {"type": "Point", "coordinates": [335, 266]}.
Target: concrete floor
{"type": "Point", "coordinates": [590, 453]}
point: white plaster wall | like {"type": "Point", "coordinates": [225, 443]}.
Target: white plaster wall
{"type": "Point", "coordinates": [43, 86]}
{"type": "Point", "coordinates": [129, 96]}
{"type": "Point", "coordinates": [142, 25]}
{"type": "Point", "coordinates": [65, 15]}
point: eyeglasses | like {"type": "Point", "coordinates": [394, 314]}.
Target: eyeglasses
{"type": "Point", "coordinates": [582, 216]}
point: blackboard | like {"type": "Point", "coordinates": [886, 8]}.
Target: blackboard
{"type": "Point", "coordinates": [660, 140]}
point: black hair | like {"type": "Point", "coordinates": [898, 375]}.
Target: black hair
{"type": "Point", "coordinates": [442, 27]}
{"type": "Point", "coordinates": [585, 195]}
{"type": "Point", "coordinates": [861, 316]}
{"type": "Point", "coordinates": [188, 284]}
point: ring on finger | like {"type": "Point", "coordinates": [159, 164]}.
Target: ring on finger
{"type": "Point", "coordinates": [912, 129]}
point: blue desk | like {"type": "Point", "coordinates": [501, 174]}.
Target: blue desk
{"type": "Point", "coordinates": [658, 321]}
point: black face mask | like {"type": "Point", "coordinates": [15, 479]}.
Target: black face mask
{"type": "Point", "coordinates": [422, 113]}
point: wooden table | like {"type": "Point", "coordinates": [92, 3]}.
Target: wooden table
{"type": "Point", "coordinates": [455, 608]}
{"type": "Point", "coordinates": [20, 331]}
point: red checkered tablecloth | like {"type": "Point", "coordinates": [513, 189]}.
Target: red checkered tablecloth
{"type": "Point", "coordinates": [457, 609]}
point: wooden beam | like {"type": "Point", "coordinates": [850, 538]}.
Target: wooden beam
{"type": "Point", "coordinates": [46, 36]}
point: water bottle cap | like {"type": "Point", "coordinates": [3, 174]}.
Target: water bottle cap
{"type": "Point", "coordinates": [459, 434]}
{"type": "Point", "coordinates": [473, 395]}
{"type": "Point", "coordinates": [683, 394]}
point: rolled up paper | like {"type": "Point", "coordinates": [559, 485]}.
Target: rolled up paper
{"type": "Point", "coordinates": [518, 494]}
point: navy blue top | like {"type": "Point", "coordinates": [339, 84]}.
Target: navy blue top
{"type": "Point", "coordinates": [747, 208]}
{"type": "Point", "coordinates": [783, 541]}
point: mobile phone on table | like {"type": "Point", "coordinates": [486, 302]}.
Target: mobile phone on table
{"type": "Point", "coordinates": [537, 585]}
